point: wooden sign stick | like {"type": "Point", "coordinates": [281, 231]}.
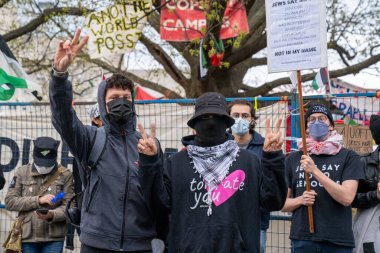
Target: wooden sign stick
{"type": "Point", "coordinates": [303, 135]}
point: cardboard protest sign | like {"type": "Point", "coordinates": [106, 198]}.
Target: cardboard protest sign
{"type": "Point", "coordinates": [116, 29]}
{"type": "Point", "coordinates": [357, 138]}
{"type": "Point", "coordinates": [296, 34]}
{"type": "Point", "coordinates": [185, 20]}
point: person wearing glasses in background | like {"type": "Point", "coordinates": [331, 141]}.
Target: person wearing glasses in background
{"type": "Point", "coordinates": [334, 174]}
{"type": "Point", "coordinates": [247, 138]}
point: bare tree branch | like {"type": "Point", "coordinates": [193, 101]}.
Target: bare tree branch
{"type": "Point", "coordinates": [167, 92]}
{"type": "Point", "coordinates": [265, 88]}
{"type": "Point", "coordinates": [248, 50]}
{"type": "Point", "coordinates": [43, 18]}
{"type": "Point", "coordinates": [167, 62]}
{"type": "Point", "coordinates": [4, 2]}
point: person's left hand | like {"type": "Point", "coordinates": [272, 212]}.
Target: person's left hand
{"type": "Point", "coordinates": [273, 139]}
{"type": "Point", "coordinates": [47, 216]}
{"type": "Point", "coordinates": [308, 164]}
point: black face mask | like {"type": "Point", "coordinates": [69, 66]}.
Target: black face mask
{"type": "Point", "coordinates": [210, 132]}
{"type": "Point", "coordinates": [120, 110]}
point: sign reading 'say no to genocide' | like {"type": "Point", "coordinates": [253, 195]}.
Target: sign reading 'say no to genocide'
{"type": "Point", "coordinates": [116, 29]}
{"type": "Point", "coordinates": [296, 34]}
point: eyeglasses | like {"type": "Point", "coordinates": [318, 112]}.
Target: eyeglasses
{"type": "Point", "coordinates": [312, 119]}
{"type": "Point", "coordinates": [236, 115]}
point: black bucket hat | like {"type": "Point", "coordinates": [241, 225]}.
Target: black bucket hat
{"type": "Point", "coordinates": [319, 108]}
{"type": "Point", "coordinates": [211, 103]}
{"type": "Point", "coordinates": [45, 151]}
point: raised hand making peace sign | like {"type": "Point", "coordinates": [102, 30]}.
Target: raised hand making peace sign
{"type": "Point", "coordinates": [273, 139]}
{"type": "Point", "coordinates": [67, 50]}
{"type": "Point", "coordinates": [147, 145]}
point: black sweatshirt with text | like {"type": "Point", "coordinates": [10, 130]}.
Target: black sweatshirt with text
{"type": "Point", "coordinates": [234, 225]}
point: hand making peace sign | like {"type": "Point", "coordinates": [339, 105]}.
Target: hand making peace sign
{"type": "Point", "coordinates": [67, 50]}
{"type": "Point", "coordinates": [147, 145]}
{"type": "Point", "coordinates": [273, 140]}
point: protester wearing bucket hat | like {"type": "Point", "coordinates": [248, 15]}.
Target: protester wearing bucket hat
{"type": "Point", "coordinates": [213, 189]}
{"type": "Point", "coordinates": [367, 200]}
{"type": "Point", "coordinates": [211, 103]}
{"type": "Point", "coordinates": [41, 232]}
{"type": "Point", "coordinates": [335, 172]}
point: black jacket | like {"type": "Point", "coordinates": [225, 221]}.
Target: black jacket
{"type": "Point", "coordinates": [366, 196]}
{"type": "Point", "coordinates": [234, 225]}
{"type": "Point", "coordinates": [256, 145]}
{"type": "Point", "coordinates": [115, 215]}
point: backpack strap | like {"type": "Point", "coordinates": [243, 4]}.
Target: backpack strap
{"type": "Point", "coordinates": [98, 147]}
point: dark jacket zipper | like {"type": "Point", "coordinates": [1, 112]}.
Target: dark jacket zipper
{"type": "Point", "coordinates": [125, 198]}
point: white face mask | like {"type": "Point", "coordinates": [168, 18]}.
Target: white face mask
{"type": "Point", "coordinates": [241, 127]}
{"type": "Point", "coordinates": [43, 169]}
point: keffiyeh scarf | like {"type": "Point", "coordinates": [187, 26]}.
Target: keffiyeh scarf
{"type": "Point", "coordinates": [331, 146]}
{"type": "Point", "coordinates": [213, 164]}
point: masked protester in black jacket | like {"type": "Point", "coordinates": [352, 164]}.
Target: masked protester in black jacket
{"type": "Point", "coordinates": [213, 189]}
{"type": "Point", "coordinates": [367, 200]}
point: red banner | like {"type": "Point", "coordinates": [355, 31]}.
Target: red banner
{"type": "Point", "coordinates": [185, 20]}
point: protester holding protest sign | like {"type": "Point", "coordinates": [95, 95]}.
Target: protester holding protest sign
{"type": "Point", "coordinates": [246, 137]}
{"type": "Point", "coordinates": [334, 174]}
{"type": "Point", "coordinates": [115, 215]}
{"type": "Point", "coordinates": [367, 200]}
{"type": "Point", "coordinates": [214, 189]}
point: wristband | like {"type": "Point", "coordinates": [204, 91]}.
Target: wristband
{"type": "Point", "coordinates": [58, 73]}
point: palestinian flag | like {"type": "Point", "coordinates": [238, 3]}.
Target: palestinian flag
{"type": "Point", "coordinates": [12, 76]}
{"type": "Point", "coordinates": [141, 93]}
{"type": "Point", "coordinates": [322, 78]}
{"type": "Point", "coordinates": [203, 64]}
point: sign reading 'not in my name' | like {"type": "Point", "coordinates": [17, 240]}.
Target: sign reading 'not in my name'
{"type": "Point", "coordinates": [116, 29]}
{"type": "Point", "coordinates": [296, 34]}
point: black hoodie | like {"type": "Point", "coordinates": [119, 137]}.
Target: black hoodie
{"type": "Point", "coordinates": [234, 225]}
{"type": "Point", "coordinates": [115, 215]}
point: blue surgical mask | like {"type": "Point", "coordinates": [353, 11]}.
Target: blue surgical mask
{"type": "Point", "coordinates": [318, 130]}
{"type": "Point", "coordinates": [240, 127]}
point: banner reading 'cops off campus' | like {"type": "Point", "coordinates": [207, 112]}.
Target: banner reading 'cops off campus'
{"type": "Point", "coordinates": [116, 29]}
{"type": "Point", "coordinates": [296, 34]}
{"type": "Point", "coordinates": [185, 20]}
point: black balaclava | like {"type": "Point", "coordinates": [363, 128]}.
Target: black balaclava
{"type": "Point", "coordinates": [374, 126]}
{"type": "Point", "coordinates": [210, 132]}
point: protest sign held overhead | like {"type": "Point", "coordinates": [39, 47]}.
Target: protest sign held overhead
{"type": "Point", "coordinates": [296, 34]}
{"type": "Point", "coordinates": [185, 20]}
{"type": "Point", "coordinates": [116, 29]}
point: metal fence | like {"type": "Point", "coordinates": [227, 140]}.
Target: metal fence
{"type": "Point", "coordinates": [20, 123]}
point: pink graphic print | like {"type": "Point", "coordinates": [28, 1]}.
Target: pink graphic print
{"type": "Point", "coordinates": [233, 183]}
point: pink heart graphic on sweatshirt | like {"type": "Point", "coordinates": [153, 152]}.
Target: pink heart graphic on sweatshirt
{"type": "Point", "coordinates": [228, 187]}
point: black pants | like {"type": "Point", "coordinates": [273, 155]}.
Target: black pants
{"type": "Point", "coordinates": [88, 249]}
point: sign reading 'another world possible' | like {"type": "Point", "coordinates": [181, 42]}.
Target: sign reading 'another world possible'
{"type": "Point", "coordinates": [116, 29]}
